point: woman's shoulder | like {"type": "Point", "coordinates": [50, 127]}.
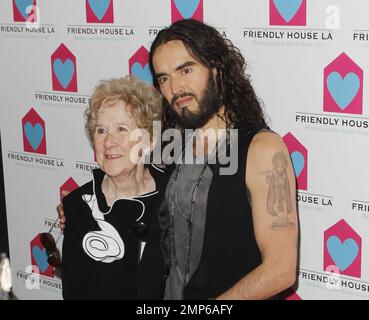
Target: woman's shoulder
{"type": "Point", "coordinates": [160, 174]}
{"type": "Point", "coordinates": [76, 194]}
{"type": "Point", "coordinates": [156, 169]}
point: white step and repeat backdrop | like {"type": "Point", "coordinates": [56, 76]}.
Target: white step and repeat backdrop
{"type": "Point", "coordinates": [308, 60]}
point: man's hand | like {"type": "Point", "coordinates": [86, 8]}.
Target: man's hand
{"type": "Point", "coordinates": [60, 211]}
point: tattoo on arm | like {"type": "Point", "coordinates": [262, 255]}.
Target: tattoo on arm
{"type": "Point", "coordinates": [279, 203]}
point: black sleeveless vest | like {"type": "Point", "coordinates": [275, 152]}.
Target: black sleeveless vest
{"type": "Point", "coordinates": [229, 250]}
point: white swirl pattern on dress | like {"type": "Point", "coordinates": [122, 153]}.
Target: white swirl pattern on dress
{"type": "Point", "coordinates": [105, 245]}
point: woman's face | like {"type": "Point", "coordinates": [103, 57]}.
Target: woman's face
{"type": "Point", "coordinates": [111, 139]}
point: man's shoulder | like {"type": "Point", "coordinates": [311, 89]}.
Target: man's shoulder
{"type": "Point", "coordinates": [265, 142]}
{"type": "Point", "coordinates": [265, 148]}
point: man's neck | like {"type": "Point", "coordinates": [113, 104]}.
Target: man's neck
{"type": "Point", "coordinates": [217, 121]}
{"type": "Point", "coordinates": [215, 125]}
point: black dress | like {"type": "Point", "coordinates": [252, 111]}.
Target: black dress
{"type": "Point", "coordinates": [104, 257]}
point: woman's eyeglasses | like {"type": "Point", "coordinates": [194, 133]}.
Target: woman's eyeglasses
{"type": "Point", "coordinates": [49, 243]}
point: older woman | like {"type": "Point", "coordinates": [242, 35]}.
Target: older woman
{"type": "Point", "coordinates": [111, 241]}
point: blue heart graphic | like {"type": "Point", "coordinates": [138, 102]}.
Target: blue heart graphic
{"type": "Point", "coordinates": [343, 91]}
{"type": "Point", "coordinates": [142, 73]}
{"type": "Point", "coordinates": [99, 7]}
{"type": "Point", "coordinates": [34, 134]}
{"type": "Point", "coordinates": [22, 7]}
{"type": "Point", "coordinates": [40, 257]}
{"type": "Point", "coordinates": [342, 254]}
{"type": "Point", "coordinates": [298, 162]}
{"type": "Point", "coordinates": [287, 8]}
{"type": "Point", "coordinates": [64, 71]}
{"type": "Point", "coordinates": [187, 7]}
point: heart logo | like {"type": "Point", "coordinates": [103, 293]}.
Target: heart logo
{"type": "Point", "coordinates": [142, 73]}
{"type": "Point", "coordinates": [64, 71]}
{"type": "Point", "coordinates": [287, 8]}
{"type": "Point", "coordinates": [34, 134]}
{"type": "Point", "coordinates": [298, 162]}
{"type": "Point", "coordinates": [187, 7]}
{"type": "Point", "coordinates": [22, 6]}
{"type": "Point", "coordinates": [40, 257]}
{"type": "Point", "coordinates": [343, 91]}
{"type": "Point", "coordinates": [343, 254]}
{"type": "Point", "coordinates": [99, 7]}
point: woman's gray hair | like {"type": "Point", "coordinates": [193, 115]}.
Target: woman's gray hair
{"type": "Point", "coordinates": [144, 101]}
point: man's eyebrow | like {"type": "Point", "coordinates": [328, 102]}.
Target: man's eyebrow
{"type": "Point", "coordinates": [160, 74]}
{"type": "Point", "coordinates": [186, 64]}
{"type": "Point", "coordinates": [180, 67]}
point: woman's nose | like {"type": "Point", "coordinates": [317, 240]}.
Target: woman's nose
{"type": "Point", "coordinates": [109, 140]}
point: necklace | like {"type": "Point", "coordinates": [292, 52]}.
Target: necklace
{"type": "Point", "coordinates": [174, 200]}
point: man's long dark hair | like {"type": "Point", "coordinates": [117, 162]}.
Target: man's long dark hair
{"type": "Point", "coordinates": [208, 47]}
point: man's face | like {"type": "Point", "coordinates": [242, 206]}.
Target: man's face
{"type": "Point", "coordinates": [187, 85]}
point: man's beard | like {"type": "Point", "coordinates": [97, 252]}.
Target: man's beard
{"type": "Point", "coordinates": [209, 105]}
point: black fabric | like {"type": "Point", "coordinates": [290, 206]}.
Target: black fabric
{"type": "Point", "coordinates": [85, 278]}
{"type": "Point", "coordinates": [230, 250]}
{"type": "Point", "coordinates": [4, 243]}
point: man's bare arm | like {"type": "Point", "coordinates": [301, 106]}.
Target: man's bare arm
{"type": "Point", "coordinates": [270, 181]}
